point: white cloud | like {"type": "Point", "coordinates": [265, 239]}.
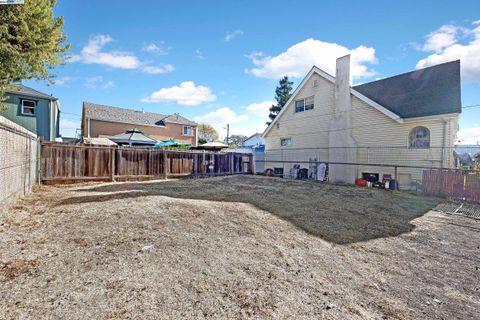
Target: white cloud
{"type": "Point", "coordinates": [69, 124]}
{"type": "Point", "coordinates": [299, 58]}
{"type": "Point", "coordinates": [157, 49]}
{"type": "Point", "coordinates": [98, 82]}
{"type": "Point", "coordinates": [158, 70]}
{"type": "Point", "coordinates": [261, 109]}
{"type": "Point", "coordinates": [221, 117]}
{"type": "Point", "coordinates": [92, 54]}
{"type": "Point", "coordinates": [443, 37]}
{"type": "Point", "coordinates": [68, 127]}
{"type": "Point", "coordinates": [468, 52]}
{"type": "Point", "coordinates": [62, 81]}
{"type": "Point", "coordinates": [469, 135]}
{"type": "Point", "coordinates": [252, 121]}
{"type": "Point", "coordinates": [232, 35]}
{"type": "Point", "coordinates": [199, 54]}
{"type": "Point", "coordinates": [187, 93]}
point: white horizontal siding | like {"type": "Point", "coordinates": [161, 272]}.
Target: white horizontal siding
{"type": "Point", "coordinates": [370, 128]}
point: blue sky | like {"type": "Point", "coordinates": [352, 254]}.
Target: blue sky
{"type": "Point", "coordinates": [219, 61]}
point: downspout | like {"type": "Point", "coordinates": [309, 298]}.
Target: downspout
{"type": "Point", "coordinates": [50, 127]}
{"type": "Point", "coordinates": [88, 127]}
{"type": "Point", "coordinates": [196, 136]}
{"type": "Point", "coordinates": [54, 120]}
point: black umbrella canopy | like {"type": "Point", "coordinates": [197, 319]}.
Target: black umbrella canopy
{"type": "Point", "coordinates": [133, 137]}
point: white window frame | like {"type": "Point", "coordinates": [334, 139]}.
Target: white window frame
{"type": "Point", "coordinates": [289, 144]}
{"type": "Point", "coordinates": [186, 134]}
{"type": "Point", "coordinates": [34, 108]}
{"type": "Point", "coordinates": [304, 107]}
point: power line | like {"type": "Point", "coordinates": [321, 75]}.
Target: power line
{"type": "Point", "coordinates": [75, 114]}
{"type": "Point", "coordinates": [472, 106]}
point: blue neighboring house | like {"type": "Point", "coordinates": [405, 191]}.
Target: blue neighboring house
{"type": "Point", "coordinates": [36, 111]}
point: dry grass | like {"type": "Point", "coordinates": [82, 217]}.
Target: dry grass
{"type": "Point", "coordinates": [14, 268]}
{"type": "Point", "coordinates": [235, 247]}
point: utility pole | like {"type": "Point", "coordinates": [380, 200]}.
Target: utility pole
{"type": "Point", "coordinates": [228, 131]}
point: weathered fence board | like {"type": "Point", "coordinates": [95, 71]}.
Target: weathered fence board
{"type": "Point", "coordinates": [456, 184]}
{"type": "Point", "coordinates": [71, 163]}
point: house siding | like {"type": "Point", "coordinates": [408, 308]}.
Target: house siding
{"type": "Point", "coordinates": [256, 140]}
{"type": "Point", "coordinates": [44, 124]}
{"type": "Point", "coordinates": [379, 138]}
{"type": "Point", "coordinates": [100, 128]}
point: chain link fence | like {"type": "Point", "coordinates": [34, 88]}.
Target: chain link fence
{"type": "Point", "coordinates": [403, 164]}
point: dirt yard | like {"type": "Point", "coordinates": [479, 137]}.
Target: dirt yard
{"type": "Point", "coordinates": [235, 247]}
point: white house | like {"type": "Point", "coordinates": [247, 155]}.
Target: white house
{"type": "Point", "coordinates": [254, 140]}
{"type": "Point", "coordinates": [406, 120]}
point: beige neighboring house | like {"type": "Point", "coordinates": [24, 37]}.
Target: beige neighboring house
{"type": "Point", "coordinates": [409, 119]}
{"type": "Point", "coordinates": [106, 121]}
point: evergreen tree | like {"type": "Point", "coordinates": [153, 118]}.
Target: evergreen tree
{"type": "Point", "coordinates": [282, 94]}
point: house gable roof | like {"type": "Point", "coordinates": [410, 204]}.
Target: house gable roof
{"type": "Point", "coordinates": [114, 114]}
{"type": "Point", "coordinates": [329, 77]}
{"type": "Point", "coordinates": [253, 136]}
{"type": "Point", "coordinates": [425, 92]}
{"type": "Point", "coordinates": [21, 89]}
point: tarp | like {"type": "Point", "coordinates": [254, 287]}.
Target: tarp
{"type": "Point", "coordinates": [171, 143]}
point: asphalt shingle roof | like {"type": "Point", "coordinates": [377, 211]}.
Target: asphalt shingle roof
{"type": "Point", "coordinates": [108, 113]}
{"type": "Point", "coordinates": [425, 92]}
{"type": "Point", "coordinates": [20, 89]}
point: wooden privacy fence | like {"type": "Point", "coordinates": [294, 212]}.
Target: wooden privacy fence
{"type": "Point", "coordinates": [457, 184]}
{"type": "Point", "coordinates": [62, 163]}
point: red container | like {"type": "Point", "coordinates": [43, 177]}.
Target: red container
{"type": "Point", "coordinates": [361, 182]}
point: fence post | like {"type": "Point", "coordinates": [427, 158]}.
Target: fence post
{"type": "Point", "coordinates": [204, 165]}
{"type": "Point", "coordinates": [39, 160]}
{"type": "Point", "coordinates": [149, 163]}
{"type": "Point", "coordinates": [252, 164]}
{"type": "Point", "coordinates": [165, 164]}
{"type": "Point", "coordinates": [396, 178]}
{"type": "Point", "coordinates": [112, 163]}
{"type": "Point", "coordinates": [231, 158]}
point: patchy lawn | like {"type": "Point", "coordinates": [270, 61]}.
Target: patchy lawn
{"type": "Point", "coordinates": [235, 247]}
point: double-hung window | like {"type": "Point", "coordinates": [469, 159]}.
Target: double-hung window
{"type": "Point", "coordinates": [187, 131]}
{"type": "Point", "coordinates": [28, 107]}
{"type": "Point", "coordinates": [304, 104]}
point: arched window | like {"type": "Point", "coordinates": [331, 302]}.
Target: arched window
{"type": "Point", "coordinates": [419, 138]}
